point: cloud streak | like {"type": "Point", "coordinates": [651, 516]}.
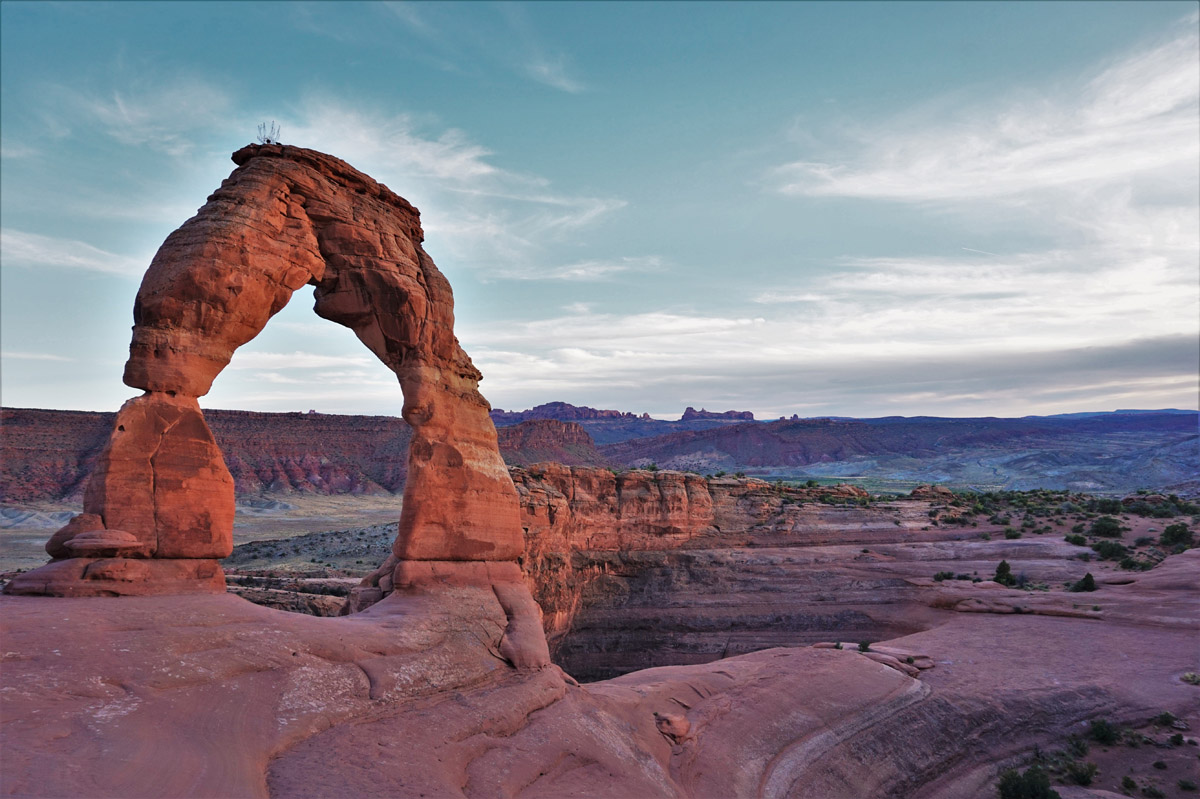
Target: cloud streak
{"type": "Point", "coordinates": [1136, 120]}
{"type": "Point", "coordinates": [31, 251]}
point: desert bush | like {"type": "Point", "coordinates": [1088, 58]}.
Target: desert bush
{"type": "Point", "coordinates": [1176, 739]}
{"type": "Point", "coordinates": [1164, 719]}
{"type": "Point", "coordinates": [1106, 527]}
{"type": "Point", "coordinates": [1186, 785]}
{"type": "Point", "coordinates": [1191, 678]}
{"type": "Point", "coordinates": [1032, 784]}
{"type": "Point", "coordinates": [1152, 792]}
{"type": "Point", "coordinates": [1076, 746]}
{"type": "Point", "coordinates": [1176, 534]}
{"type": "Point", "coordinates": [1010, 534]}
{"type": "Point", "coordinates": [1079, 528]}
{"type": "Point", "coordinates": [1133, 564]}
{"type": "Point", "coordinates": [1128, 783]}
{"type": "Point", "coordinates": [943, 576]}
{"type": "Point", "coordinates": [1077, 540]}
{"type": "Point", "coordinates": [1103, 732]}
{"type": "Point", "coordinates": [1081, 773]}
{"type": "Point", "coordinates": [1086, 583]}
{"type": "Point", "coordinates": [864, 646]}
{"type": "Point", "coordinates": [1109, 550]}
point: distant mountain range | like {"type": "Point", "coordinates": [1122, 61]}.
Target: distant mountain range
{"type": "Point", "coordinates": [48, 454]}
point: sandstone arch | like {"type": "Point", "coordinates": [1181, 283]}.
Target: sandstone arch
{"type": "Point", "coordinates": [158, 511]}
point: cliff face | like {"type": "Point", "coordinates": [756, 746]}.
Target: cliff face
{"type": "Point", "coordinates": [596, 541]}
{"type": "Point", "coordinates": [539, 440]}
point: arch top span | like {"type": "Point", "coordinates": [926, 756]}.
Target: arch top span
{"type": "Point", "coordinates": [284, 218]}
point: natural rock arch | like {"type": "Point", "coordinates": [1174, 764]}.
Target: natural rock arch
{"type": "Point", "coordinates": [158, 511]}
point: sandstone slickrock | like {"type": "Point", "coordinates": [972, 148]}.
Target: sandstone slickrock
{"type": "Point", "coordinates": [284, 218]}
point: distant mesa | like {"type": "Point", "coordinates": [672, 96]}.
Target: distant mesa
{"type": "Point", "coordinates": [562, 411]}
{"type": "Point", "coordinates": [691, 414]}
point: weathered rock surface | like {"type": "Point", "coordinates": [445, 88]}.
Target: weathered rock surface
{"type": "Point", "coordinates": [210, 696]}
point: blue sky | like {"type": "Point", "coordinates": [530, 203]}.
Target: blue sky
{"type": "Point", "coordinates": [957, 209]}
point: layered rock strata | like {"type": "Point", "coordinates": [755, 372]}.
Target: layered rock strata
{"type": "Point", "coordinates": [287, 217]}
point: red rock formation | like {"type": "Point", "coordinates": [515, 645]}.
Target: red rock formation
{"type": "Point", "coordinates": [286, 217]}
{"type": "Point", "coordinates": [934, 492]}
{"type": "Point", "coordinates": [539, 440]}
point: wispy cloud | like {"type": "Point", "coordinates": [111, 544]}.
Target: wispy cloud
{"type": "Point", "coordinates": [31, 250]}
{"type": "Point", "coordinates": [487, 218]}
{"type": "Point", "coordinates": [297, 360]}
{"type": "Point", "coordinates": [165, 114]}
{"type": "Point", "coordinates": [593, 270]}
{"type": "Point", "coordinates": [552, 72]}
{"type": "Point", "coordinates": [1135, 120]}
{"type": "Point", "coordinates": [34, 356]}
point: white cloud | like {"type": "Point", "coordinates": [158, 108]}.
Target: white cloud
{"type": "Point", "coordinates": [31, 250]}
{"type": "Point", "coordinates": [34, 356]}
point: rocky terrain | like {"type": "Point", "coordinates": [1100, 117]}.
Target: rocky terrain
{"type": "Point", "coordinates": [1056, 628]}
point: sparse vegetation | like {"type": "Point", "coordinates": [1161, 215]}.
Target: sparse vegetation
{"type": "Point", "coordinates": [1107, 527]}
{"type": "Point", "coordinates": [1004, 574]}
{"type": "Point", "coordinates": [1087, 583]}
{"type": "Point", "coordinates": [1033, 783]}
{"type": "Point", "coordinates": [1176, 534]}
{"type": "Point", "coordinates": [1103, 732]}
{"type": "Point", "coordinates": [1081, 773]}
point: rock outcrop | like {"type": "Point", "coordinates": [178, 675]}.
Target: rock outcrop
{"type": "Point", "coordinates": [284, 218]}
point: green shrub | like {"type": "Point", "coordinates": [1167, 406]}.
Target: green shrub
{"type": "Point", "coordinates": [1032, 784]}
{"type": "Point", "coordinates": [837, 645]}
{"type": "Point", "coordinates": [1081, 773]}
{"type": "Point", "coordinates": [1109, 550]}
{"type": "Point", "coordinates": [1077, 540]}
{"type": "Point", "coordinates": [1176, 534]}
{"type": "Point", "coordinates": [1106, 527]}
{"type": "Point", "coordinates": [1011, 534]}
{"type": "Point", "coordinates": [1087, 583]}
{"type": "Point", "coordinates": [1160, 765]}
{"type": "Point", "coordinates": [1164, 719]}
{"type": "Point", "coordinates": [1103, 732]}
{"type": "Point", "coordinates": [1128, 783]}
{"type": "Point", "coordinates": [1076, 746]}
{"type": "Point", "coordinates": [864, 646]}
{"type": "Point", "coordinates": [1153, 793]}
{"type": "Point", "coordinates": [1004, 574]}
{"type": "Point", "coordinates": [1176, 739]}
{"type": "Point", "coordinates": [943, 576]}
{"type": "Point", "coordinates": [1186, 785]}
{"type": "Point", "coordinates": [1191, 678]}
